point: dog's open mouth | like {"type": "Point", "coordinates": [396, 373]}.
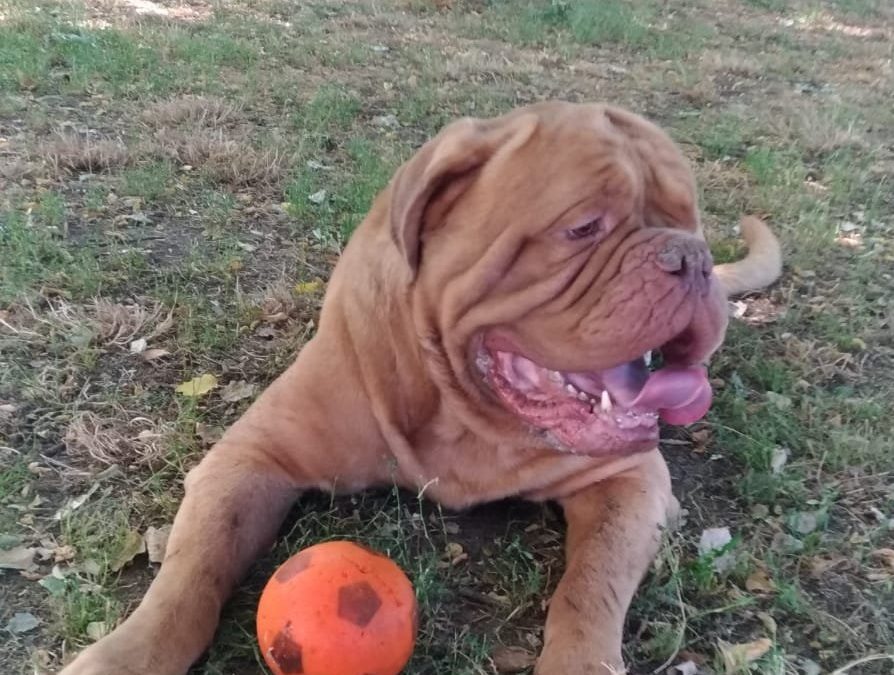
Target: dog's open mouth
{"type": "Point", "coordinates": [607, 411]}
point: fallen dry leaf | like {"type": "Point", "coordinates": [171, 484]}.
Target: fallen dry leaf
{"type": "Point", "coordinates": [266, 332]}
{"type": "Point", "coordinates": [737, 309]}
{"type": "Point", "coordinates": [685, 668]}
{"type": "Point", "coordinates": [209, 434]}
{"type": "Point", "coordinates": [75, 502]}
{"type": "Point", "coordinates": [133, 545]}
{"type": "Point", "coordinates": [779, 460]}
{"type": "Point", "coordinates": [90, 567]}
{"type": "Point", "coordinates": [64, 553]}
{"type": "Point", "coordinates": [697, 658]}
{"type": "Point", "coordinates": [885, 556]}
{"type": "Point", "coordinates": [164, 326]}
{"type": "Point", "coordinates": [138, 346]}
{"type": "Point", "coordinates": [700, 440]}
{"type": "Point", "coordinates": [41, 659]}
{"type": "Point", "coordinates": [198, 386]}
{"type": "Point", "coordinates": [308, 287]}
{"type": "Point", "coordinates": [810, 667]}
{"type": "Point", "coordinates": [18, 558]}
{"type": "Point", "coordinates": [455, 553]}
{"type": "Point", "coordinates": [236, 391]}
{"type": "Point", "coordinates": [155, 353]}
{"type": "Point", "coordinates": [786, 543]}
{"type": "Point", "coordinates": [805, 522]}
{"type": "Point", "coordinates": [819, 566]}
{"type": "Point", "coordinates": [97, 630]}
{"type": "Point", "coordinates": [779, 401]}
{"type": "Point", "coordinates": [759, 581]}
{"type": "Point", "coordinates": [736, 657]}
{"type": "Point", "coordinates": [157, 542]}
{"type": "Point", "coordinates": [22, 622]}
{"type": "Point", "coordinates": [55, 585]}
{"type": "Point", "coordinates": [769, 623]}
{"type": "Point", "coordinates": [714, 540]}
{"type": "Point", "coordinates": [512, 659]}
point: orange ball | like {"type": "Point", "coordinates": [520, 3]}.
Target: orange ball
{"type": "Point", "coordinates": [337, 608]}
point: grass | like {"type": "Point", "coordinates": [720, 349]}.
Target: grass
{"type": "Point", "coordinates": [330, 207]}
{"type": "Point", "coordinates": [13, 479]}
{"type": "Point", "coordinates": [34, 251]}
{"type": "Point", "coordinates": [290, 120]}
{"type": "Point", "coordinates": [148, 182]}
{"type": "Point", "coordinates": [640, 26]}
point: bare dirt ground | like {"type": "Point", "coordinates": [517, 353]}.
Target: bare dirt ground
{"type": "Point", "coordinates": [177, 179]}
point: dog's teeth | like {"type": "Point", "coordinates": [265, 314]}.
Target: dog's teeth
{"type": "Point", "coordinates": [555, 376]}
{"type": "Point", "coordinates": [582, 396]}
{"type": "Point", "coordinates": [606, 403]}
{"type": "Point", "coordinates": [647, 357]}
{"type": "Point", "coordinates": [570, 389]}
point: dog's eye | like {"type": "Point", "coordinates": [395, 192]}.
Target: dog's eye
{"type": "Point", "coordinates": [584, 231]}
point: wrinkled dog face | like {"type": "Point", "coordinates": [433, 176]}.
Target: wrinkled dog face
{"type": "Point", "coordinates": [588, 262]}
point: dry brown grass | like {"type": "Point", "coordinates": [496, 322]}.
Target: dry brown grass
{"type": "Point", "coordinates": [120, 439]}
{"type": "Point", "coordinates": [735, 63]}
{"type": "Point", "coordinates": [68, 151]}
{"type": "Point", "coordinates": [17, 168]}
{"type": "Point", "coordinates": [816, 130]}
{"type": "Point", "coordinates": [119, 324]}
{"type": "Point", "coordinates": [191, 110]}
{"type": "Point", "coordinates": [192, 130]}
{"type": "Point", "coordinates": [110, 324]}
{"type": "Point", "coordinates": [274, 304]}
{"type": "Point", "coordinates": [223, 158]}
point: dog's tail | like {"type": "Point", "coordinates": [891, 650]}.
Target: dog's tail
{"type": "Point", "coordinates": [760, 267]}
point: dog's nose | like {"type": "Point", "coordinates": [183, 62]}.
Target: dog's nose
{"type": "Point", "coordinates": [689, 259]}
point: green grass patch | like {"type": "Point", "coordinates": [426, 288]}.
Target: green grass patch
{"type": "Point", "coordinates": [861, 8]}
{"type": "Point", "coordinates": [13, 478]}
{"type": "Point", "coordinates": [210, 48]}
{"type": "Point", "coordinates": [149, 182]}
{"type": "Point", "coordinates": [49, 55]}
{"type": "Point", "coordinates": [330, 205]}
{"type": "Point", "coordinates": [637, 26]}
{"type": "Point", "coordinates": [103, 537]}
{"type": "Point", "coordinates": [34, 252]}
{"type": "Point", "coordinates": [331, 109]}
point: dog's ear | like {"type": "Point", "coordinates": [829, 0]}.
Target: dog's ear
{"type": "Point", "coordinates": [457, 151]}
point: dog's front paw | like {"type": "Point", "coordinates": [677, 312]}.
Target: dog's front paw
{"type": "Point", "coordinates": [124, 652]}
{"type": "Point", "coordinates": [578, 662]}
{"type": "Point", "coordinates": [99, 660]}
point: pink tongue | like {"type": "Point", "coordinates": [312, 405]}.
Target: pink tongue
{"type": "Point", "coordinates": [680, 395]}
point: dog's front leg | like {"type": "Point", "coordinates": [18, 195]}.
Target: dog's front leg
{"type": "Point", "coordinates": [235, 501]}
{"type": "Point", "coordinates": [614, 532]}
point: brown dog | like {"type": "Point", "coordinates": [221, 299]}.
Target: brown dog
{"type": "Point", "coordinates": [483, 335]}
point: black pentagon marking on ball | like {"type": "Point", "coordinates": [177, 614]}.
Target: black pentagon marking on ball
{"type": "Point", "coordinates": [287, 654]}
{"type": "Point", "coordinates": [293, 566]}
{"type": "Point", "coordinates": [358, 603]}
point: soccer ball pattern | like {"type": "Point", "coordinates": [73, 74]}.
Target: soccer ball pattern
{"type": "Point", "coordinates": [337, 608]}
